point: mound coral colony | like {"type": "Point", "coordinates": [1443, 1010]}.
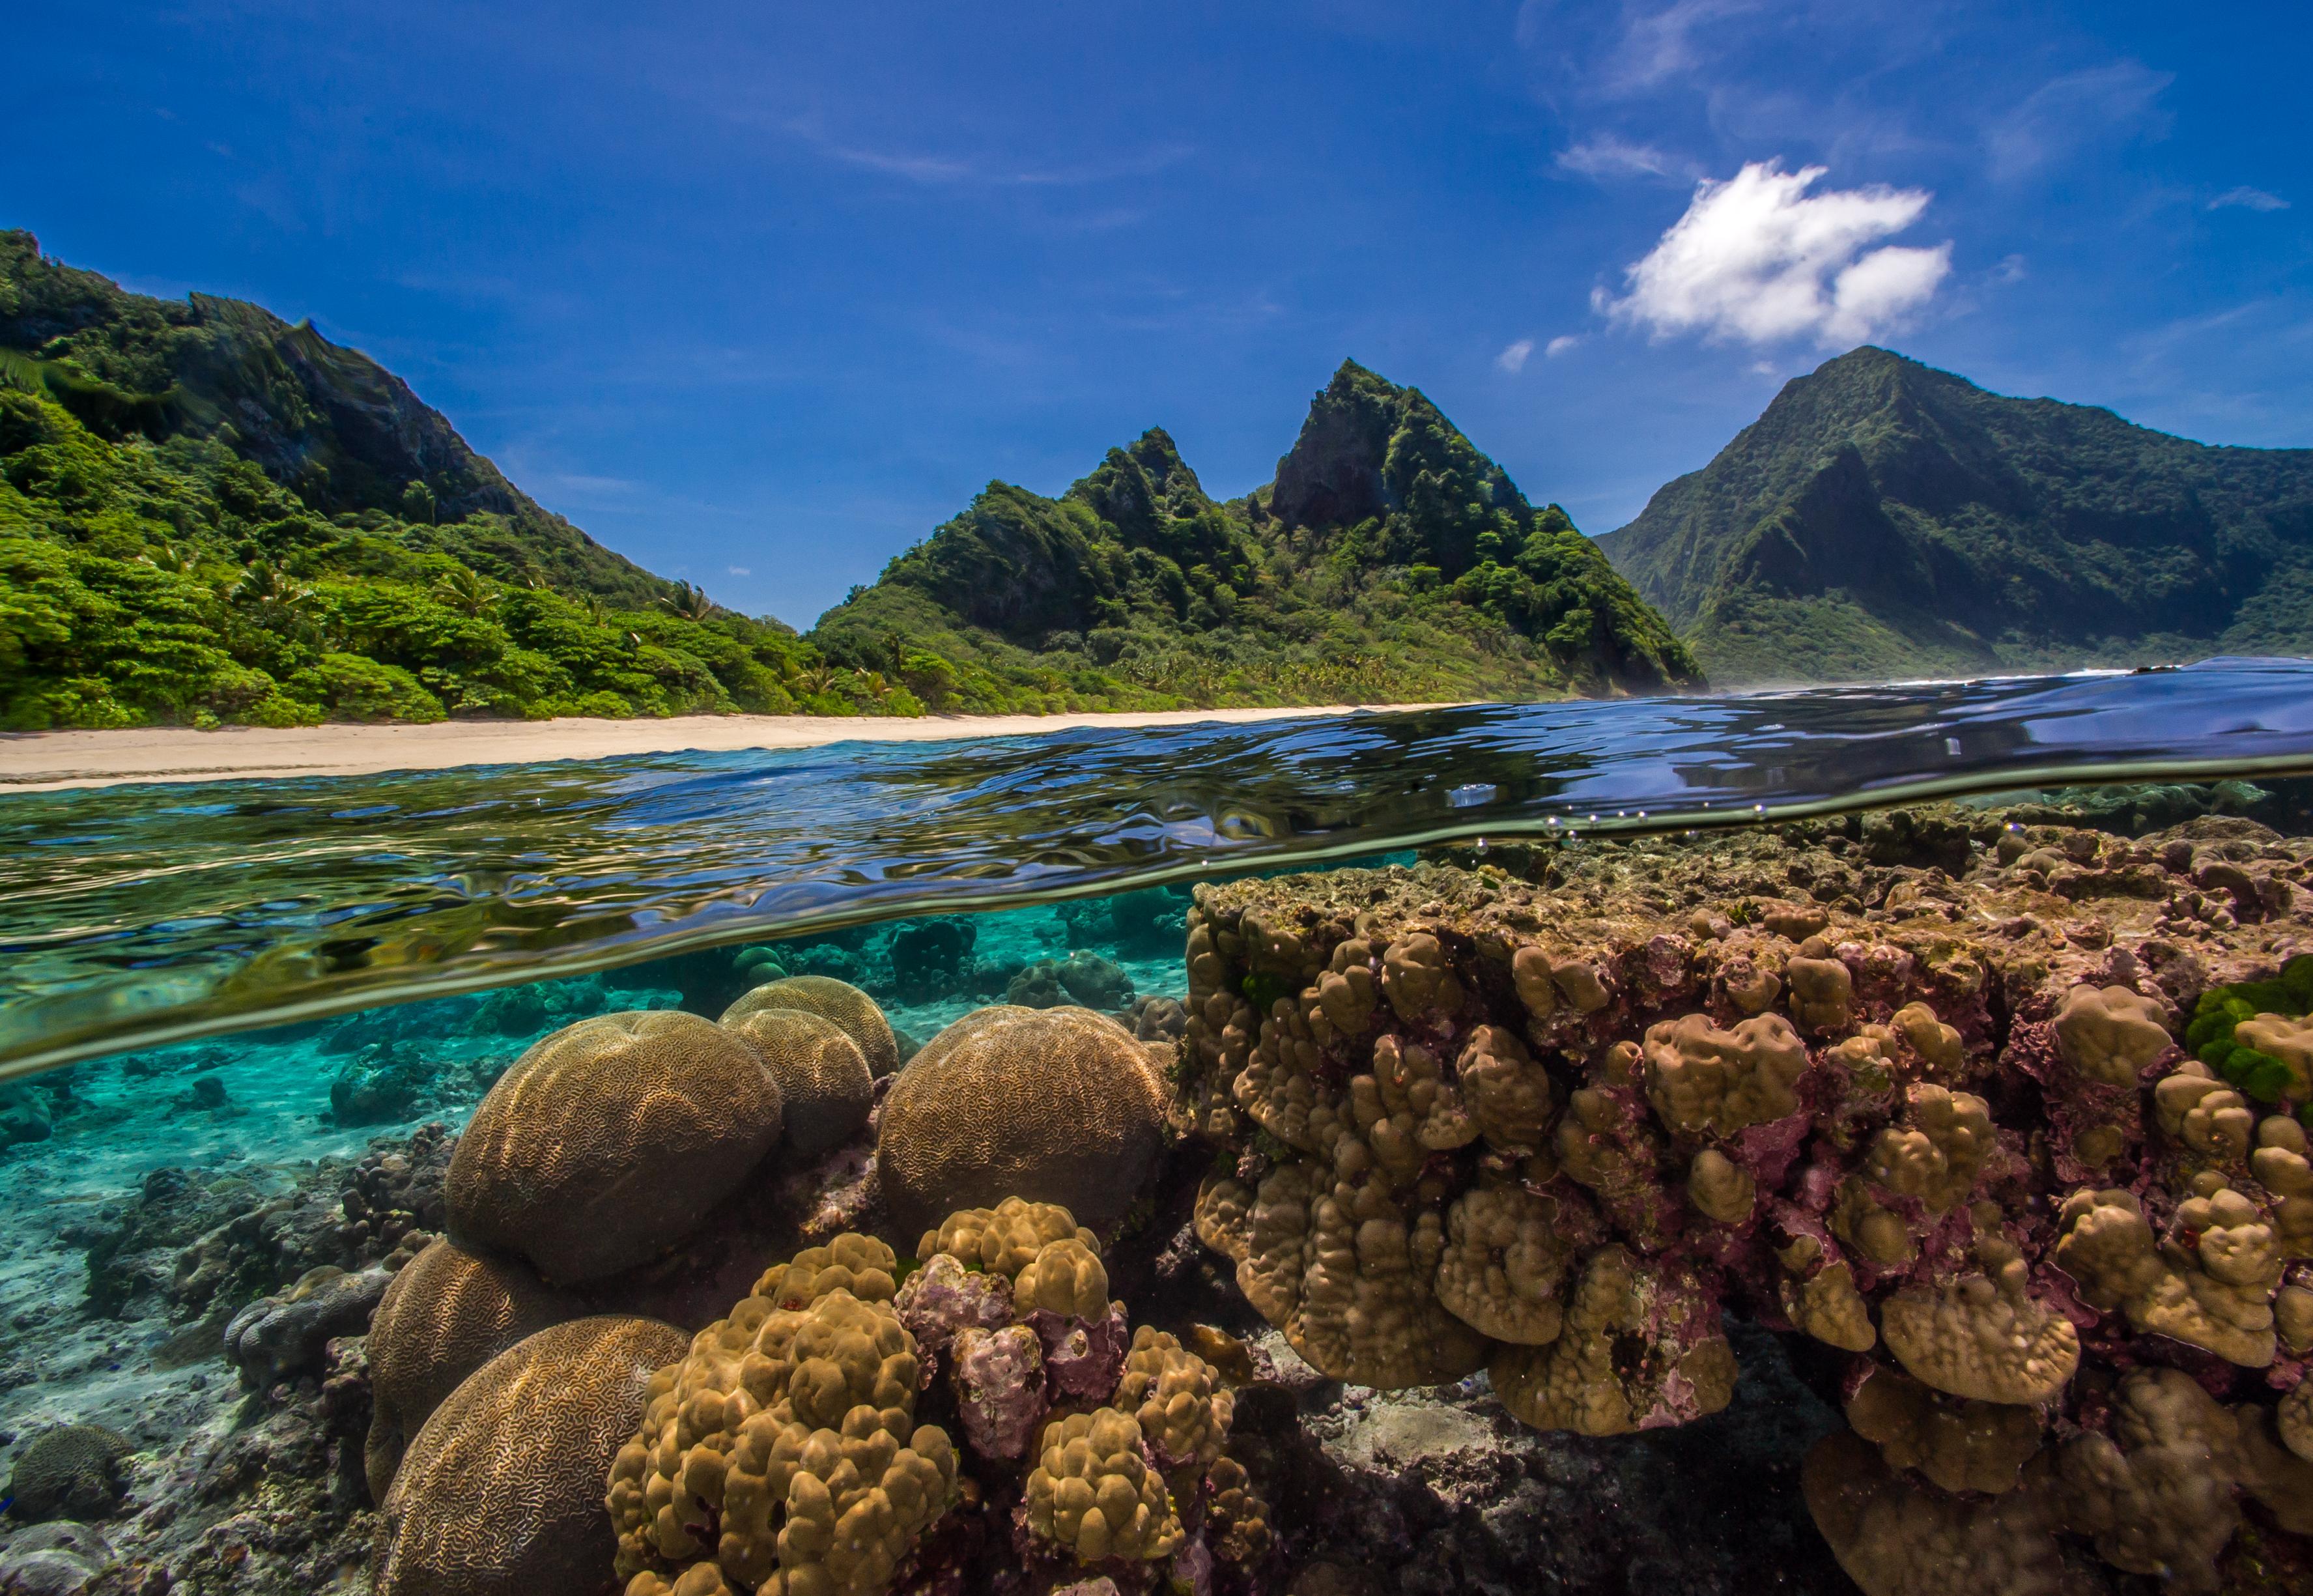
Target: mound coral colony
{"type": "Point", "coordinates": [1953, 1165]}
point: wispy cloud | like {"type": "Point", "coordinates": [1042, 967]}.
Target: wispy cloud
{"type": "Point", "coordinates": [1607, 155]}
{"type": "Point", "coordinates": [739, 570]}
{"type": "Point", "coordinates": [2248, 199]}
{"type": "Point", "coordinates": [934, 169]}
{"type": "Point", "coordinates": [1558, 346]}
{"type": "Point", "coordinates": [1660, 44]}
{"type": "Point", "coordinates": [1513, 359]}
{"type": "Point", "coordinates": [1758, 257]}
{"type": "Point", "coordinates": [2077, 109]}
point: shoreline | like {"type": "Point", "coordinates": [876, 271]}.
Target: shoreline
{"type": "Point", "coordinates": [59, 761]}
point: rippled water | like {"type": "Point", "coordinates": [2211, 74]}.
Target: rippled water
{"type": "Point", "coordinates": [134, 916]}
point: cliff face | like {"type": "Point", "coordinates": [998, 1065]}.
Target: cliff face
{"type": "Point", "coordinates": [1883, 518]}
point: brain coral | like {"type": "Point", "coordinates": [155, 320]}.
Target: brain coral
{"type": "Point", "coordinates": [830, 999]}
{"type": "Point", "coordinates": [445, 1313]}
{"type": "Point", "coordinates": [70, 1472]}
{"type": "Point", "coordinates": [1052, 1105]}
{"type": "Point", "coordinates": [779, 1455]}
{"type": "Point", "coordinates": [609, 1140]}
{"type": "Point", "coordinates": [825, 1090]}
{"type": "Point", "coordinates": [500, 1491]}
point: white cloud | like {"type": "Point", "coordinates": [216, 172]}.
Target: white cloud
{"type": "Point", "coordinates": [2011, 269]}
{"type": "Point", "coordinates": [1558, 346]}
{"type": "Point", "coordinates": [2249, 199]}
{"type": "Point", "coordinates": [1607, 155]}
{"type": "Point", "coordinates": [739, 570]}
{"type": "Point", "coordinates": [1513, 358]}
{"type": "Point", "coordinates": [1758, 257]}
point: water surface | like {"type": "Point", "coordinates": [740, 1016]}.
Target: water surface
{"type": "Point", "coordinates": [134, 916]}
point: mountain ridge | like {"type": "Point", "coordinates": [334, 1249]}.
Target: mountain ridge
{"type": "Point", "coordinates": [210, 516]}
{"type": "Point", "coordinates": [1387, 559]}
{"type": "Point", "coordinates": [1884, 518]}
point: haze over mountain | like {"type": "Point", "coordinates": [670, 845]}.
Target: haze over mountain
{"type": "Point", "coordinates": [1885, 519]}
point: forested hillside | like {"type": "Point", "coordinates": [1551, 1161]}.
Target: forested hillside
{"type": "Point", "coordinates": [1887, 519]}
{"type": "Point", "coordinates": [209, 516]}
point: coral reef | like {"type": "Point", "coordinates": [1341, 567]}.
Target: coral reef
{"type": "Point", "coordinates": [780, 1454]}
{"type": "Point", "coordinates": [55, 1559]}
{"type": "Point", "coordinates": [499, 1493]}
{"type": "Point", "coordinates": [275, 1336]}
{"type": "Point", "coordinates": [609, 1140]}
{"type": "Point", "coordinates": [1083, 978]}
{"type": "Point", "coordinates": [72, 1471]}
{"type": "Point", "coordinates": [1910, 1089]}
{"type": "Point", "coordinates": [830, 999]}
{"type": "Point", "coordinates": [24, 1113]}
{"type": "Point", "coordinates": [1056, 1105]}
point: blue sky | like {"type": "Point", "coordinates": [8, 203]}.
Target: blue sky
{"type": "Point", "coordinates": [761, 294]}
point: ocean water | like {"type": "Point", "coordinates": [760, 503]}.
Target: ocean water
{"type": "Point", "coordinates": [241, 1025]}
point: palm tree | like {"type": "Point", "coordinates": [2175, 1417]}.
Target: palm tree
{"type": "Point", "coordinates": [596, 610]}
{"type": "Point", "coordinates": [466, 591]}
{"type": "Point", "coordinates": [877, 687]}
{"type": "Point", "coordinates": [180, 558]}
{"type": "Point", "coordinates": [819, 678]}
{"type": "Point", "coordinates": [689, 602]}
{"type": "Point", "coordinates": [266, 584]}
{"type": "Point", "coordinates": [283, 604]}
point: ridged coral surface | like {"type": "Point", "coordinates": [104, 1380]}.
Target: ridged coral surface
{"type": "Point", "coordinates": [1051, 1105]}
{"type": "Point", "coordinates": [445, 1313]}
{"type": "Point", "coordinates": [609, 1140]}
{"type": "Point", "coordinates": [500, 1492]}
{"type": "Point", "coordinates": [838, 1001]}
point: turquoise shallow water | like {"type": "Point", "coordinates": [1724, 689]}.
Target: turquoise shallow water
{"type": "Point", "coordinates": [133, 916]}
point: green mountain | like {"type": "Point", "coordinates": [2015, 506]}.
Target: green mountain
{"type": "Point", "coordinates": [207, 515]}
{"type": "Point", "coordinates": [1389, 559]}
{"type": "Point", "coordinates": [1885, 519]}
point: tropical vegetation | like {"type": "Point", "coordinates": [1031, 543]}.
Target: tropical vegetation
{"type": "Point", "coordinates": [209, 516]}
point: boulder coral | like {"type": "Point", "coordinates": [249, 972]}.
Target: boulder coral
{"type": "Point", "coordinates": [608, 1140]}
{"type": "Point", "coordinates": [1054, 1105]}
{"type": "Point", "coordinates": [826, 1091]}
{"type": "Point", "coordinates": [73, 1471]}
{"type": "Point", "coordinates": [500, 1492]}
{"type": "Point", "coordinates": [2017, 1137]}
{"type": "Point", "coordinates": [838, 1001]}
{"type": "Point", "coordinates": [445, 1314]}
{"type": "Point", "coordinates": [785, 1452]}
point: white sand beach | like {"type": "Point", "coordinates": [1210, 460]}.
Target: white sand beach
{"type": "Point", "coordinates": [48, 761]}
